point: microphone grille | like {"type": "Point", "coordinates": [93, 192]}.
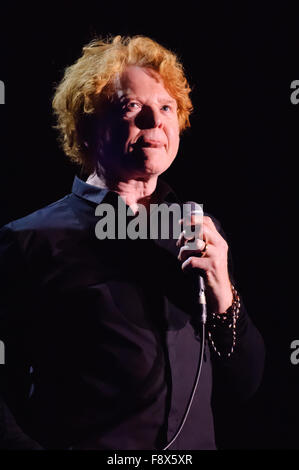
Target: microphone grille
{"type": "Point", "coordinates": [191, 207]}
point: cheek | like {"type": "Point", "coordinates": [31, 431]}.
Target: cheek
{"type": "Point", "coordinates": [173, 140]}
{"type": "Point", "coordinates": [120, 133]}
{"type": "Point", "coordinates": [129, 134]}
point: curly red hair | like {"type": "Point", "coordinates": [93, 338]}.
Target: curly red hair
{"type": "Point", "coordinates": [88, 83]}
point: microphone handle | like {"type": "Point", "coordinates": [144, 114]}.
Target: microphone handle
{"type": "Point", "coordinates": [202, 299]}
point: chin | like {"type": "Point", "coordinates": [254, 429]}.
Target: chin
{"type": "Point", "coordinates": [149, 164]}
{"type": "Point", "coordinates": [154, 168]}
{"type": "Point", "coordinates": [157, 164]}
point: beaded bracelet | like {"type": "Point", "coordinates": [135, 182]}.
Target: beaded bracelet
{"type": "Point", "coordinates": [228, 319]}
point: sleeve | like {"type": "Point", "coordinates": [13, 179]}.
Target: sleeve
{"type": "Point", "coordinates": [237, 377]}
{"type": "Point", "coordinates": [14, 372]}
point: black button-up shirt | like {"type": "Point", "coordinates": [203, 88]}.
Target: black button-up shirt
{"type": "Point", "coordinates": [100, 339]}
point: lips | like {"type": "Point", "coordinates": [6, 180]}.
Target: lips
{"type": "Point", "coordinates": [148, 143]}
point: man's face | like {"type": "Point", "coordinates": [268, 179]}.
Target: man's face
{"type": "Point", "coordinates": [140, 136]}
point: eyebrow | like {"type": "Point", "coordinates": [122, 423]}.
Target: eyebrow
{"type": "Point", "coordinates": [165, 100]}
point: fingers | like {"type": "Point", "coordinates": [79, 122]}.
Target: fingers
{"type": "Point", "coordinates": [213, 264]}
{"type": "Point", "coordinates": [209, 222]}
{"type": "Point", "coordinates": [210, 241]}
{"type": "Point", "coordinates": [196, 248]}
{"type": "Point", "coordinates": [210, 252]}
{"type": "Point", "coordinates": [207, 231]}
{"type": "Point", "coordinates": [193, 262]}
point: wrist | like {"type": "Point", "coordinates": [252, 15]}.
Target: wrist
{"type": "Point", "coordinates": [223, 301]}
{"type": "Point", "coordinates": [228, 320]}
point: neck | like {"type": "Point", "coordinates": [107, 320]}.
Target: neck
{"type": "Point", "coordinates": [133, 191]}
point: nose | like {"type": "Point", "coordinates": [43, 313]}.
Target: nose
{"type": "Point", "coordinates": [148, 118]}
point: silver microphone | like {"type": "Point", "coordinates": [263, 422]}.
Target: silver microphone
{"type": "Point", "coordinates": [192, 208]}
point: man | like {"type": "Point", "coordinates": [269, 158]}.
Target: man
{"type": "Point", "coordinates": [101, 335]}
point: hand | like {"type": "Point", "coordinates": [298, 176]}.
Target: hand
{"type": "Point", "coordinates": [213, 261]}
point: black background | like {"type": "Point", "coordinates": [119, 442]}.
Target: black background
{"type": "Point", "coordinates": [238, 158]}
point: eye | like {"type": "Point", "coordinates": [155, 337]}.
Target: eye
{"type": "Point", "coordinates": [166, 107]}
{"type": "Point", "coordinates": [132, 105]}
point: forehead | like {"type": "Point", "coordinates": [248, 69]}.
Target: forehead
{"type": "Point", "coordinates": [141, 81]}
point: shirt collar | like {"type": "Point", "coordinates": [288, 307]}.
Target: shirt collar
{"type": "Point", "coordinates": [95, 194]}
{"type": "Point", "coordinates": [88, 191]}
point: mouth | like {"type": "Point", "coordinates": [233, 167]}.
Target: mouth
{"type": "Point", "coordinates": [148, 143]}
